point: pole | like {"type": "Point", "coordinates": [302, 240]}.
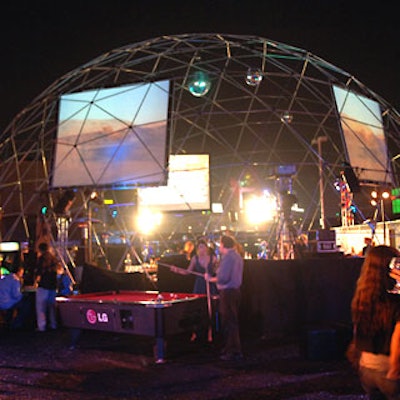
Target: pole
{"type": "Point", "coordinates": [319, 141]}
{"type": "Point", "coordinates": [383, 220]}
{"type": "Point", "coordinates": [209, 308]}
{"type": "Point", "coordinates": [89, 252]}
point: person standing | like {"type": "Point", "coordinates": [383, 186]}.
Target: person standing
{"type": "Point", "coordinates": [367, 246]}
{"type": "Point", "coordinates": [204, 261]}
{"type": "Point", "coordinates": [188, 250]}
{"type": "Point", "coordinates": [376, 323]}
{"type": "Point", "coordinates": [46, 281]}
{"type": "Point", "coordinates": [229, 280]}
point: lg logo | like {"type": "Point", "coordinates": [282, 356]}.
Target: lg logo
{"type": "Point", "coordinates": [92, 317]}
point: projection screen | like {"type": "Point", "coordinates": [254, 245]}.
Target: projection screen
{"type": "Point", "coordinates": [188, 186]}
{"type": "Point", "coordinates": [112, 136]}
{"type": "Point", "coordinates": [364, 137]}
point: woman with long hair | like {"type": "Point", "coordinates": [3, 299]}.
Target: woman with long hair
{"type": "Point", "coordinates": [204, 261]}
{"type": "Point", "coordinates": [46, 283]}
{"type": "Point", "coordinates": [376, 322]}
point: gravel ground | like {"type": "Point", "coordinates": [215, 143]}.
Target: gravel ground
{"type": "Point", "coordinates": [104, 366]}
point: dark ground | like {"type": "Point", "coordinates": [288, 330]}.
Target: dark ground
{"type": "Point", "coordinates": [41, 366]}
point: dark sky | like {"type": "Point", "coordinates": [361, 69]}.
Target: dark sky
{"type": "Point", "coordinates": [43, 40]}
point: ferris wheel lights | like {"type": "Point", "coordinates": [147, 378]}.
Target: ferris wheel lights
{"type": "Point", "coordinates": [254, 76]}
{"type": "Point", "coordinates": [199, 84]}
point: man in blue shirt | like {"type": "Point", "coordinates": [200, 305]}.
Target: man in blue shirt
{"type": "Point", "coordinates": [10, 289]}
{"type": "Point", "coordinates": [229, 280]}
{"type": "Point", "coordinates": [12, 299]}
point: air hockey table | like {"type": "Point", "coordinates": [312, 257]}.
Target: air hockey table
{"type": "Point", "coordinates": [149, 313]}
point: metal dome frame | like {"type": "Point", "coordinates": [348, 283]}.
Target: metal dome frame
{"type": "Point", "coordinates": [242, 127]}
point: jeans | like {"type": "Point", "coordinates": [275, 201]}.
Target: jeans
{"type": "Point", "coordinates": [46, 308]}
{"type": "Point", "coordinates": [377, 386]}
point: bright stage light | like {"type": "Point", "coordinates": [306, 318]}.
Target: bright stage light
{"type": "Point", "coordinates": [199, 84]}
{"type": "Point", "coordinates": [260, 209]}
{"type": "Point", "coordinates": [147, 221]}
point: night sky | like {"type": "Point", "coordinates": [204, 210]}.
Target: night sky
{"type": "Point", "coordinates": [41, 42]}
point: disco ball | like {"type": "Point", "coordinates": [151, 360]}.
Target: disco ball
{"type": "Point", "coordinates": [254, 76]}
{"type": "Point", "coordinates": [199, 84]}
{"type": "Point", "coordinates": [287, 117]}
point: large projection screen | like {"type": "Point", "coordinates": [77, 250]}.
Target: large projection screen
{"type": "Point", "coordinates": [113, 136]}
{"type": "Point", "coordinates": [364, 137]}
{"type": "Point", "coordinates": [188, 187]}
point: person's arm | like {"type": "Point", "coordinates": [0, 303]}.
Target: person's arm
{"type": "Point", "coordinates": [394, 358]}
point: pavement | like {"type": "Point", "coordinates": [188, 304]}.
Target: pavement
{"type": "Point", "coordinates": [106, 366]}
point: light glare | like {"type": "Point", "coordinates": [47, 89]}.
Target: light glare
{"type": "Point", "coordinates": [147, 221]}
{"type": "Point", "coordinates": [260, 209]}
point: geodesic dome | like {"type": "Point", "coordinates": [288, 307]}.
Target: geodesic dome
{"type": "Point", "coordinates": [247, 127]}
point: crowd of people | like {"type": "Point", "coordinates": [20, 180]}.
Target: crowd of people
{"type": "Point", "coordinates": [49, 279]}
{"type": "Point", "coordinates": [218, 272]}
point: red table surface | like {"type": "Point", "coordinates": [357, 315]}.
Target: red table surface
{"type": "Point", "coordinates": [134, 297]}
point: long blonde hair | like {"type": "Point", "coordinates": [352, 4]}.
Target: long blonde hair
{"type": "Point", "coordinates": [372, 308]}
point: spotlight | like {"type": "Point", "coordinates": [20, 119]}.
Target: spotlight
{"type": "Point", "coordinates": [199, 84]}
{"type": "Point", "coordinates": [254, 76]}
{"type": "Point", "coordinates": [94, 196]}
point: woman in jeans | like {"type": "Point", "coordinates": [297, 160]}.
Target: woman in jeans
{"type": "Point", "coordinates": [376, 322]}
{"type": "Point", "coordinates": [46, 281]}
